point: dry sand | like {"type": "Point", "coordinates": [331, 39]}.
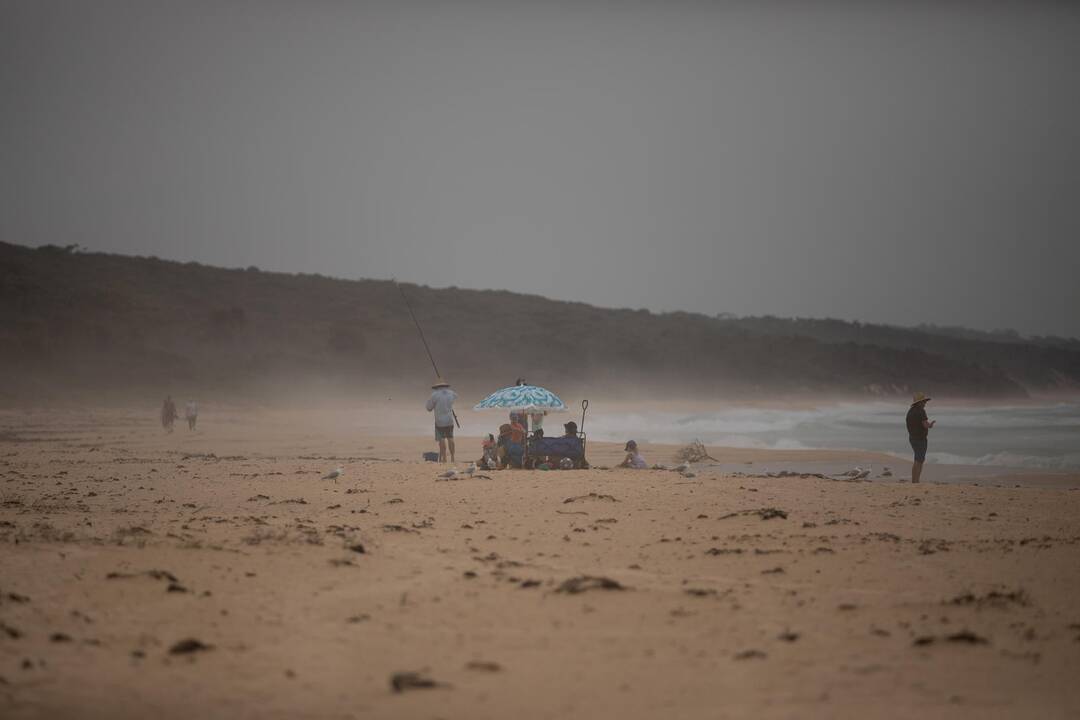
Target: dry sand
{"type": "Point", "coordinates": [869, 599]}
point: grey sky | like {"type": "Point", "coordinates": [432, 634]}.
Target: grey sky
{"type": "Point", "coordinates": [864, 161]}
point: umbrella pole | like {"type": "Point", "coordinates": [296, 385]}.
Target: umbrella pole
{"type": "Point", "coordinates": [584, 407]}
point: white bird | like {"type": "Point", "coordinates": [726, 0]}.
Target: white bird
{"type": "Point", "coordinates": [685, 467]}
{"type": "Point", "coordinates": [861, 474]}
{"type": "Point", "coordinates": [471, 469]}
{"type": "Point", "coordinates": [449, 474]}
{"type": "Point", "coordinates": [333, 474]}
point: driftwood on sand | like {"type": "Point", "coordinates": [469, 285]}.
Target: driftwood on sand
{"type": "Point", "coordinates": [694, 452]}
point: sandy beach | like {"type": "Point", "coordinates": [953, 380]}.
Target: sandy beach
{"type": "Point", "coordinates": [215, 574]}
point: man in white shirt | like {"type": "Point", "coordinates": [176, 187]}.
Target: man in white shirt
{"type": "Point", "coordinates": [191, 414]}
{"type": "Point", "coordinates": [441, 403]}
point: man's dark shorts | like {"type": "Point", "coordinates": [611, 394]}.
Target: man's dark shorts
{"type": "Point", "coordinates": [442, 433]}
{"type": "Point", "coordinates": [919, 446]}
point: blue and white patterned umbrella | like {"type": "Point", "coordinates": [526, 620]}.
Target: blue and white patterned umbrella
{"type": "Point", "coordinates": [521, 397]}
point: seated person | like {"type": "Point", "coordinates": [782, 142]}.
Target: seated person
{"type": "Point", "coordinates": [536, 419]}
{"type": "Point", "coordinates": [488, 460]}
{"type": "Point", "coordinates": [517, 426]}
{"type": "Point", "coordinates": [551, 448]}
{"type": "Point", "coordinates": [508, 451]}
{"type": "Point", "coordinates": [633, 458]}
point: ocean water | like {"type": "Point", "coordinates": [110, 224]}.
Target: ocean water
{"type": "Point", "coordinates": [1044, 437]}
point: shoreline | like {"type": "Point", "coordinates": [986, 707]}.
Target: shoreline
{"type": "Point", "coordinates": [390, 431]}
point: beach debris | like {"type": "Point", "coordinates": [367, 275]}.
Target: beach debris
{"type": "Point", "coordinates": [59, 637]}
{"type": "Point", "coordinates": [402, 681]}
{"type": "Point", "coordinates": [699, 592]}
{"type": "Point", "coordinates": [176, 588]}
{"type": "Point", "coordinates": [788, 636]}
{"type": "Point", "coordinates": [398, 528]}
{"type": "Point", "coordinates": [750, 655]}
{"type": "Point", "coordinates": [583, 583]}
{"type": "Point", "coordinates": [993, 598]}
{"type": "Point", "coordinates": [964, 637]}
{"type": "Point", "coordinates": [358, 548]}
{"type": "Point", "coordinates": [724, 551]}
{"type": "Point", "coordinates": [694, 452]}
{"type": "Point", "coordinates": [929, 547]}
{"type": "Point", "coordinates": [763, 513]}
{"type": "Point", "coordinates": [590, 496]}
{"type": "Point", "coordinates": [155, 574]}
{"type": "Point", "coordinates": [12, 632]}
{"type": "Point", "coordinates": [15, 598]}
{"type": "Point", "coordinates": [189, 646]}
{"type": "Point", "coordinates": [133, 531]}
{"type": "Point", "coordinates": [773, 571]}
{"type": "Point", "coordinates": [448, 475]}
{"type": "Point", "coordinates": [682, 467]}
{"type": "Point", "coordinates": [334, 474]}
{"type": "Point", "coordinates": [483, 666]}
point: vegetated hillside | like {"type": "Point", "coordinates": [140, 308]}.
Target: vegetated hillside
{"type": "Point", "coordinates": [1038, 363]}
{"type": "Point", "coordinates": [74, 323]}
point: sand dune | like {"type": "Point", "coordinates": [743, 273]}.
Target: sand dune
{"type": "Point", "coordinates": [214, 574]}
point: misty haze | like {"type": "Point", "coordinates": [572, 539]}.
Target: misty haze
{"type": "Point", "coordinates": [538, 359]}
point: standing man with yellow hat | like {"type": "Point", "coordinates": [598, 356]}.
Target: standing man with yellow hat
{"type": "Point", "coordinates": [441, 403]}
{"type": "Point", "coordinates": [918, 428]}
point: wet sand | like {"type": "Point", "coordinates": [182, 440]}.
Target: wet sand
{"type": "Point", "coordinates": [214, 574]}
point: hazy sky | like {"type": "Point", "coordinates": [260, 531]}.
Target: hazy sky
{"type": "Point", "coordinates": [856, 160]}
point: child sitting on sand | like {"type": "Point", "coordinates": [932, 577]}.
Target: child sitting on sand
{"type": "Point", "coordinates": [489, 461]}
{"type": "Point", "coordinates": [633, 457]}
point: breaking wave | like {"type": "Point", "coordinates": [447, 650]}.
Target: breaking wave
{"type": "Point", "coordinates": [1043, 437]}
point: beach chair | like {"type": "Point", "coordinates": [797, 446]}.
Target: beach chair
{"type": "Point", "coordinates": [557, 448]}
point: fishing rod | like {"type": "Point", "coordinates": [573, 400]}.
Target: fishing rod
{"type": "Point", "coordinates": [423, 340]}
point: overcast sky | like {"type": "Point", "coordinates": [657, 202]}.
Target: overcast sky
{"type": "Point", "coordinates": [856, 160]}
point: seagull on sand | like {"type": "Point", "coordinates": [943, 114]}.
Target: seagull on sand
{"type": "Point", "coordinates": [333, 474]}
{"type": "Point", "coordinates": [685, 467]}
{"type": "Point", "coordinates": [861, 474]}
{"type": "Point", "coordinates": [471, 469]}
{"type": "Point", "coordinates": [448, 475]}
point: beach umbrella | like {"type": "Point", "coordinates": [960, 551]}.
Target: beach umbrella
{"type": "Point", "coordinates": [521, 397]}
